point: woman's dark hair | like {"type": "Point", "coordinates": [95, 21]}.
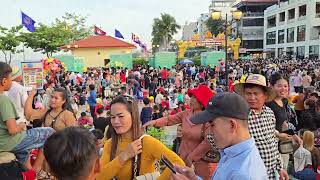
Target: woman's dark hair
{"type": "Point", "coordinates": [146, 101]}
{"type": "Point", "coordinates": [275, 77]}
{"type": "Point", "coordinates": [5, 70]}
{"type": "Point", "coordinates": [74, 155]}
{"type": "Point", "coordinates": [97, 133]}
{"type": "Point", "coordinates": [91, 87]}
{"type": "Point", "coordinates": [64, 95]}
{"type": "Point", "coordinates": [132, 107]}
{"type": "Point", "coordinates": [100, 110]}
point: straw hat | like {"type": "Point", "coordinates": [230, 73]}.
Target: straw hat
{"type": "Point", "coordinates": [256, 79]}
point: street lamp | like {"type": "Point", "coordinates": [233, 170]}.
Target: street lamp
{"type": "Point", "coordinates": [236, 15]}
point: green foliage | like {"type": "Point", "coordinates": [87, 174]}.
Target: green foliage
{"type": "Point", "coordinates": [157, 133]}
{"type": "Point", "coordinates": [9, 41]}
{"type": "Point", "coordinates": [140, 61]}
{"type": "Point", "coordinates": [163, 30]}
{"type": "Point", "coordinates": [215, 26]}
{"type": "Point", "coordinates": [48, 39]}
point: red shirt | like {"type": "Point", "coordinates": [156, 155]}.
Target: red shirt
{"type": "Point", "coordinates": [123, 78]}
{"type": "Point", "coordinates": [175, 111]}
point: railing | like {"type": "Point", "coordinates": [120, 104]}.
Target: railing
{"type": "Point", "coordinates": [253, 14]}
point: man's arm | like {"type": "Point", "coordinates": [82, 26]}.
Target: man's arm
{"type": "Point", "coordinates": [14, 128]}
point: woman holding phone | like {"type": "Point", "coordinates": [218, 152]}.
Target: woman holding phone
{"type": "Point", "coordinates": [128, 154]}
{"type": "Point", "coordinates": [194, 146]}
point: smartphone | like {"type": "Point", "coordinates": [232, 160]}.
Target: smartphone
{"type": "Point", "coordinates": [168, 164]}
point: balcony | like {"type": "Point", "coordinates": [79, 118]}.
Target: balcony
{"type": "Point", "coordinates": [253, 14]}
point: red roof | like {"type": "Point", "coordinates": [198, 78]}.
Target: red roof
{"type": "Point", "coordinates": [99, 42]}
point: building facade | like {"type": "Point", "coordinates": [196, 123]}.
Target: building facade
{"type": "Point", "coordinates": [293, 29]}
{"type": "Point", "coordinates": [224, 6]}
{"type": "Point", "coordinates": [96, 51]}
{"type": "Point", "coordinates": [251, 26]}
{"type": "Point", "coordinates": [188, 30]}
{"type": "Point", "coordinates": [201, 25]}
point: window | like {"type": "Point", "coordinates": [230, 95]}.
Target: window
{"type": "Point", "coordinates": [290, 35]}
{"type": "Point", "coordinates": [318, 10]}
{"type": "Point", "coordinates": [301, 33]}
{"type": "Point", "coordinates": [281, 36]}
{"type": "Point", "coordinates": [291, 13]}
{"type": "Point", "coordinates": [282, 17]}
{"type": "Point", "coordinates": [300, 52]}
{"type": "Point", "coordinates": [314, 51]}
{"type": "Point", "coordinates": [252, 44]}
{"type": "Point", "coordinates": [253, 22]}
{"type": "Point", "coordinates": [302, 10]}
{"type": "Point", "coordinates": [280, 52]}
{"type": "Point", "coordinates": [271, 38]}
{"type": "Point", "coordinates": [271, 21]}
{"type": "Point", "coordinates": [290, 51]}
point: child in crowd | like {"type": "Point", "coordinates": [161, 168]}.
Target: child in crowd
{"type": "Point", "coordinates": [85, 121]}
{"type": "Point", "coordinates": [156, 114]}
{"type": "Point", "coordinates": [15, 137]}
{"type": "Point", "coordinates": [146, 112]}
{"type": "Point", "coordinates": [72, 153]}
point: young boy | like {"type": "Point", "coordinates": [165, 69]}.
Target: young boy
{"type": "Point", "coordinates": [14, 137]}
{"type": "Point", "coordinates": [85, 121]}
{"type": "Point", "coordinates": [73, 154]}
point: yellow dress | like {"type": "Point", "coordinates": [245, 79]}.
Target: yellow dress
{"type": "Point", "coordinates": [151, 152]}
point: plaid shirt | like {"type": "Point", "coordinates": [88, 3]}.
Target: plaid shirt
{"type": "Point", "coordinates": [262, 128]}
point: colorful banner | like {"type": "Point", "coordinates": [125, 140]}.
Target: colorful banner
{"type": "Point", "coordinates": [32, 73]}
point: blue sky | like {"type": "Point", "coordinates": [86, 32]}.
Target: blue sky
{"type": "Point", "coordinates": [128, 16]}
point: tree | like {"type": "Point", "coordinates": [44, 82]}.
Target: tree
{"type": "Point", "coordinates": [163, 30]}
{"type": "Point", "coordinates": [48, 39]}
{"type": "Point", "coordinates": [9, 41]}
{"type": "Point", "coordinates": [75, 26]}
{"type": "Point", "coordinates": [215, 26]}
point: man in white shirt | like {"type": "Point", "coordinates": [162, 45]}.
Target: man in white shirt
{"type": "Point", "coordinates": [18, 93]}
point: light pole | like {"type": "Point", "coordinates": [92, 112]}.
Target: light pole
{"type": "Point", "coordinates": [236, 15]}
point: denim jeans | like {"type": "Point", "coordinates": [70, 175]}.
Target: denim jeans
{"type": "Point", "coordinates": [34, 139]}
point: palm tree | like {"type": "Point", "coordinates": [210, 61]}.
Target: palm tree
{"type": "Point", "coordinates": [163, 30]}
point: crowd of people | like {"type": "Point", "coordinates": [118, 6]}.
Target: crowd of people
{"type": "Point", "coordinates": [263, 122]}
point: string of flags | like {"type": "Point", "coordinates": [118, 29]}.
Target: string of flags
{"type": "Point", "coordinates": [29, 24]}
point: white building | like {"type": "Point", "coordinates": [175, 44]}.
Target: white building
{"type": "Point", "coordinates": [292, 29]}
{"type": "Point", "coordinates": [201, 24]}
{"type": "Point", "coordinates": [188, 30]}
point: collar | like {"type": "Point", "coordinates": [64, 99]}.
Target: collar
{"type": "Point", "coordinates": [236, 149]}
{"type": "Point", "coordinates": [255, 113]}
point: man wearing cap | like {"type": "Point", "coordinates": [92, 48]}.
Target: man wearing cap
{"type": "Point", "coordinates": [262, 122]}
{"type": "Point", "coordinates": [18, 93]}
{"type": "Point", "coordinates": [227, 114]}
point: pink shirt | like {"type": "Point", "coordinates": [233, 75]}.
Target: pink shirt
{"type": "Point", "coordinates": [192, 145]}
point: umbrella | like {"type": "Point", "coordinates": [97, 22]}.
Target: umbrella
{"type": "Point", "coordinates": [185, 61]}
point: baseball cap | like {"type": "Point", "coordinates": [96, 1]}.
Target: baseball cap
{"type": "Point", "coordinates": [229, 105]}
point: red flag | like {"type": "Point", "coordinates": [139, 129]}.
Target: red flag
{"type": "Point", "coordinates": [98, 31]}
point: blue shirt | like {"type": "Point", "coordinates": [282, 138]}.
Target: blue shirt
{"type": "Point", "coordinates": [92, 98]}
{"type": "Point", "coordinates": [241, 162]}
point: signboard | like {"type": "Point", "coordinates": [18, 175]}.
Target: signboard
{"type": "Point", "coordinates": [242, 50]}
{"type": "Point", "coordinates": [32, 73]}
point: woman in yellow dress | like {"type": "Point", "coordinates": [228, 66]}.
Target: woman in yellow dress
{"type": "Point", "coordinates": [119, 153]}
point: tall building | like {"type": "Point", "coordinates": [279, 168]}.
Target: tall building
{"type": "Point", "coordinates": [188, 30]}
{"type": "Point", "coordinates": [201, 24]}
{"type": "Point", "coordinates": [251, 26]}
{"type": "Point", "coordinates": [293, 29]}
